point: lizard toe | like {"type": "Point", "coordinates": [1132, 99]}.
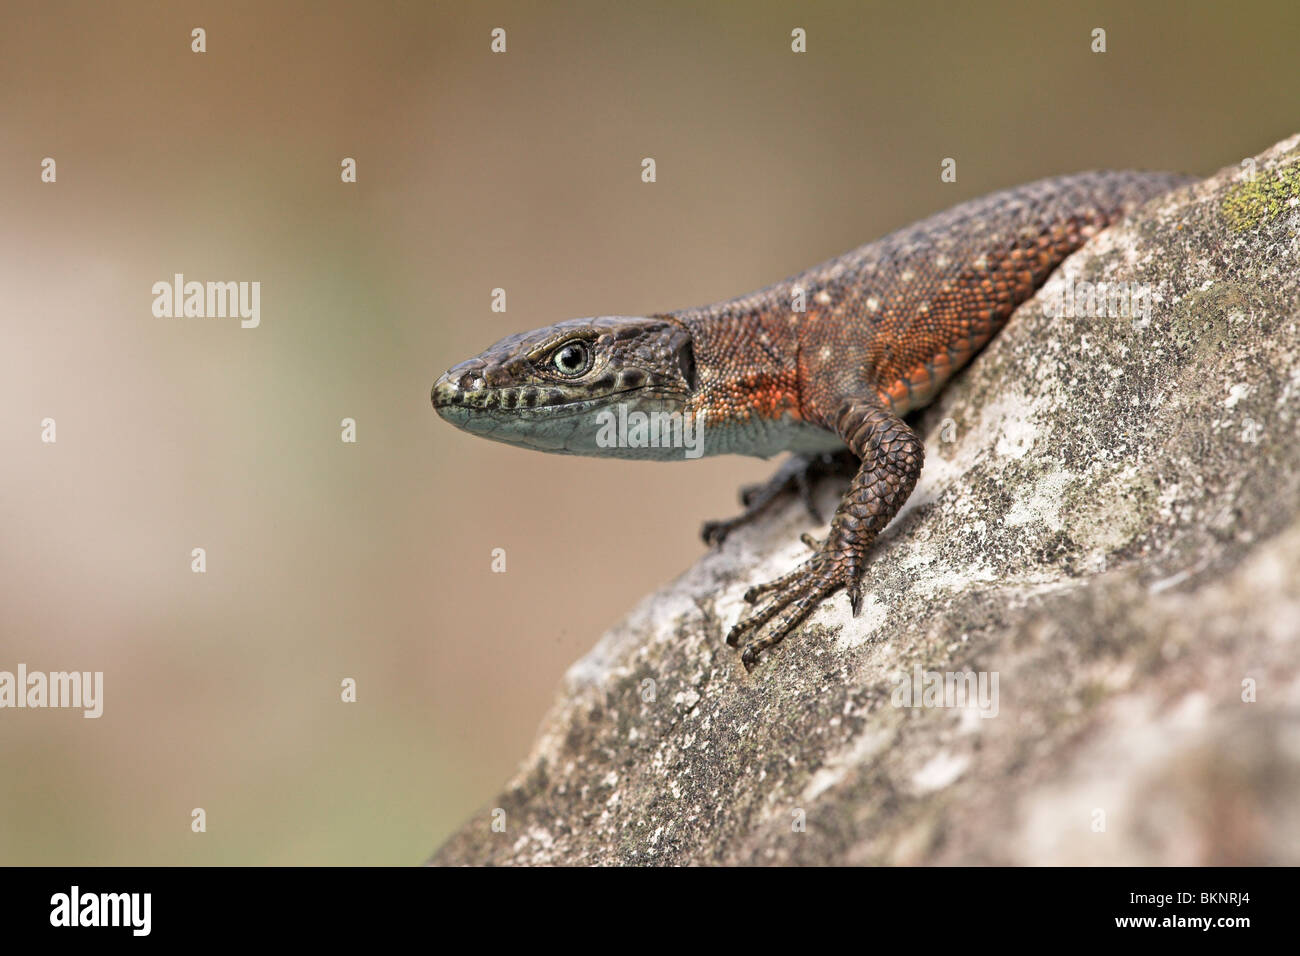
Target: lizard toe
{"type": "Point", "coordinates": [715, 532]}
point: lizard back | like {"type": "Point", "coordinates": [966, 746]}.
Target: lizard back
{"type": "Point", "coordinates": [896, 318]}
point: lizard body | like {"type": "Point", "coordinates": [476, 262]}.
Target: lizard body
{"type": "Point", "coordinates": [830, 359]}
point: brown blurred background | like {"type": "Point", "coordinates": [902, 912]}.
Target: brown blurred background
{"type": "Point", "coordinates": [372, 561]}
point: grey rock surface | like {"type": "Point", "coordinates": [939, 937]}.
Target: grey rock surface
{"type": "Point", "coordinates": [1108, 520]}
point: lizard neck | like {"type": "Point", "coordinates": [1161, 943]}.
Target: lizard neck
{"type": "Point", "coordinates": [747, 372]}
{"type": "Point", "coordinates": [745, 359]}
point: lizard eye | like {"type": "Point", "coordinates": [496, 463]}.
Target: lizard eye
{"type": "Point", "coordinates": [571, 359]}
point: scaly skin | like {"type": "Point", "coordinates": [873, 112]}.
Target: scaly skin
{"type": "Point", "coordinates": [829, 359]}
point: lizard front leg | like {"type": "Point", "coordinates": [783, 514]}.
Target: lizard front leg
{"type": "Point", "coordinates": [891, 455]}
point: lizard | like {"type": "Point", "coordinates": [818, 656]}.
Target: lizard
{"type": "Point", "coordinates": [825, 364]}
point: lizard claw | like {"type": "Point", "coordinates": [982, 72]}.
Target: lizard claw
{"type": "Point", "coordinates": [855, 597]}
{"type": "Point", "coordinates": [715, 532]}
{"type": "Point", "coordinates": [758, 590]}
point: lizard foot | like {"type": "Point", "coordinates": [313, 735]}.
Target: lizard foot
{"type": "Point", "coordinates": [891, 456]}
{"type": "Point", "coordinates": [799, 474]}
{"type": "Point", "coordinates": [792, 597]}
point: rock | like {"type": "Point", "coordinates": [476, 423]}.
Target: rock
{"type": "Point", "coordinates": [1108, 522]}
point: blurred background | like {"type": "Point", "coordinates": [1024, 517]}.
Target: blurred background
{"type": "Point", "coordinates": [372, 560]}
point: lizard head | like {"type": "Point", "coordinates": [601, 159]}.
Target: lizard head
{"type": "Point", "coordinates": [554, 389]}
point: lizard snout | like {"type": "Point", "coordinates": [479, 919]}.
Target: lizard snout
{"type": "Point", "coordinates": [445, 392]}
{"type": "Point", "coordinates": [456, 386]}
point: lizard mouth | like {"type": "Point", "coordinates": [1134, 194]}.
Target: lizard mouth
{"type": "Point", "coordinates": [570, 427]}
{"type": "Point", "coordinates": [464, 408]}
{"type": "Point", "coordinates": [549, 427]}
